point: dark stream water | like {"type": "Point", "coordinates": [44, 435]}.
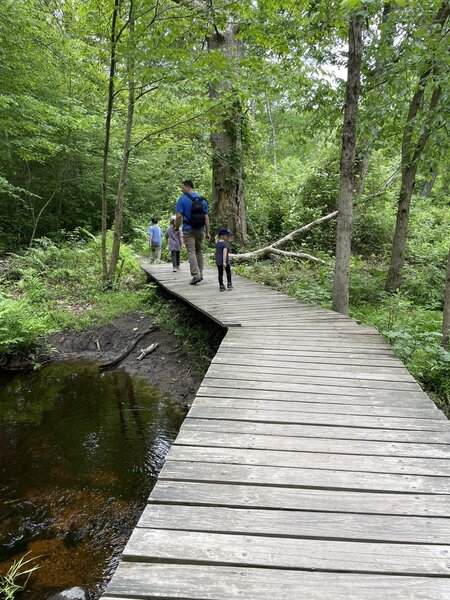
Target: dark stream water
{"type": "Point", "coordinates": [79, 454]}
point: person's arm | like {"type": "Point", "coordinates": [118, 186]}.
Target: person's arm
{"type": "Point", "coordinates": [225, 256]}
{"type": "Point", "coordinates": [207, 234]}
{"type": "Point", "coordinates": [178, 218]}
{"type": "Point", "coordinates": [150, 236]}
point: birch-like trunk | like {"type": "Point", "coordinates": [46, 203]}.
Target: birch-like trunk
{"type": "Point", "coordinates": [346, 190]}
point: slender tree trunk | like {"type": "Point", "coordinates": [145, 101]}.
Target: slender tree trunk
{"type": "Point", "coordinates": [228, 192]}
{"type": "Point", "coordinates": [347, 169]}
{"type": "Point", "coordinates": [105, 170]}
{"type": "Point", "coordinates": [118, 213]}
{"type": "Point", "coordinates": [411, 153]}
{"type": "Point", "coordinates": [428, 185]}
{"type": "Point", "coordinates": [361, 169]}
{"type": "Point", "coordinates": [273, 138]}
{"type": "Point", "coordinates": [410, 156]}
{"type": "Point", "coordinates": [446, 319]}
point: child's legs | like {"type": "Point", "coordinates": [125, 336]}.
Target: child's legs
{"type": "Point", "coordinates": [228, 270]}
{"type": "Point", "coordinates": [220, 273]}
{"type": "Point", "coordinates": [178, 254]}
{"type": "Point", "coordinates": [174, 258]}
{"type": "Point", "coordinates": [157, 253]}
{"type": "Point", "coordinates": [152, 254]}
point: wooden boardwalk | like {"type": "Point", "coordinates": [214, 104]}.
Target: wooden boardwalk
{"type": "Point", "coordinates": [311, 466]}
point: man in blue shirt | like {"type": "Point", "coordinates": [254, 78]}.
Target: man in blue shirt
{"type": "Point", "coordinates": [192, 209]}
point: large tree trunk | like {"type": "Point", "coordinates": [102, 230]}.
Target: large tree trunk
{"type": "Point", "coordinates": [109, 109]}
{"type": "Point", "coordinates": [446, 319]}
{"type": "Point", "coordinates": [228, 196]}
{"type": "Point", "coordinates": [347, 170]}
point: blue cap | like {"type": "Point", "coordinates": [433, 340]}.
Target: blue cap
{"type": "Point", "coordinates": [224, 231]}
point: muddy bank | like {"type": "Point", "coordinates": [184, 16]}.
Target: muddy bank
{"type": "Point", "coordinates": [168, 366]}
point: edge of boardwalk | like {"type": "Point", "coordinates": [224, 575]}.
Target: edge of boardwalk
{"type": "Point", "coordinates": [310, 466]}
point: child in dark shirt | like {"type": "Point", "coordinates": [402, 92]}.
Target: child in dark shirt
{"type": "Point", "coordinates": [223, 247]}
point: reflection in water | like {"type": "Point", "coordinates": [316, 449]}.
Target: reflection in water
{"type": "Point", "coordinates": [79, 454]}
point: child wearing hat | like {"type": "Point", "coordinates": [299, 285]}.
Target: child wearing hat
{"type": "Point", "coordinates": [173, 239]}
{"type": "Point", "coordinates": [223, 246]}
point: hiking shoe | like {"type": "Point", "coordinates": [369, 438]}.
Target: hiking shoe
{"type": "Point", "coordinates": [222, 288]}
{"type": "Point", "coordinates": [229, 286]}
{"type": "Point", "coordinates": [196, 279]}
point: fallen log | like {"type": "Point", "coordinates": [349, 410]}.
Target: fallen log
{"type": "Point", "coordinates": [275, 247]}
{"type": "Point", "coordinates": [131, 346]}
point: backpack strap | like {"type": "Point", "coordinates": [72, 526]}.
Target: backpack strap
{"type": "Point", "coordinates": [192, 198]}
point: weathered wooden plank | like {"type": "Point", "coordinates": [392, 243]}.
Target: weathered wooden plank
{"type": "Point", "coordinates": [318, 419]}
{"type": "Point", "coordinates": [325, 396]}
{"type": "Point", "coordinates": [202, 437]}
{"type": "Point", "coordinates": [317, 386]}
{"type": "Point", "coordinates": [275, 497]}
{"type": "Point", "coordinates": [427, 412]}
{"type": "Point", "coordinates": [303, 478]}
{"type": "Point", "coordinates": [211, 582]}
{"type": "Point", "coordinates": [312, 460]}
{"type": "Point", "coordinates": [307, 345]}
{"type": "Point", "coordinates": [292, 354]}
{"type": "Point", "coordinates": [307, 378]}
{"type": "Point", "coordinates": [260, 551]}
{"type": "Point", "coordinates": [330, 372]}
{"type": "Point", "coordinates": [302, 524]}
{"type": "Point", "coordinates": [308, 362]}
{"type": "Point", "coordinates": [317, 431]}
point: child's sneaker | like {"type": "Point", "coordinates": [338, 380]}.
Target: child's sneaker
{"type": "Point", "coordinates": [229, 287]}
{"type": "Point", "coordinates": [222, 288]}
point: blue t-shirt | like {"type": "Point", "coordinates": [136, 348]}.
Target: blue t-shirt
{"type": "Point", "coordinates": [156, 233]}
{"type": "Point", "coordinates": [184, 207]}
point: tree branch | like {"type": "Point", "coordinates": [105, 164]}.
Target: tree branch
{"type": "Point", "coordinates": [274, 248]}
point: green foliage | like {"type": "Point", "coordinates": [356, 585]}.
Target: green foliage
{"type": "Point", "coordinates": [56, 286]}
{"type": "Point", "coordinates": [198, 336]}
{"type": "Point", "coordinates": [20, 569]}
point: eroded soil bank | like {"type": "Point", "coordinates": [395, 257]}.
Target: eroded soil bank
{"type": "Point", "coordinates": [168, 367]}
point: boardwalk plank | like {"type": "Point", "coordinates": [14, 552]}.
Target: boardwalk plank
{"type": "Point", "coordinates": [322, 386]}
{"type": "Point", "coordinates": [211, 582]}
{"type": "Point", "coordinates": [318, 419]}
{"type": "Point", "coordinates": [317, 431]}
{"type": "Point", "coordinates": [303, 478]}
{"type": "Point", "coordinates": [311, 460]}
{"type": "Point", "coordinates": [202, 437]}
{"type": "Point", "coordinates": [325, 396]}
{"type": "Point", "coordinates": [322, 407]}
{"type": "Point", "coordinates": [276, 497]}
{"type": "Point", "coordinates": [302, 524]}
{"type": "Point", "coordinates": [259, 551]}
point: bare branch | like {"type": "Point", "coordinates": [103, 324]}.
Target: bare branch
{"type": "Point", "coordinates": [274, 248]}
